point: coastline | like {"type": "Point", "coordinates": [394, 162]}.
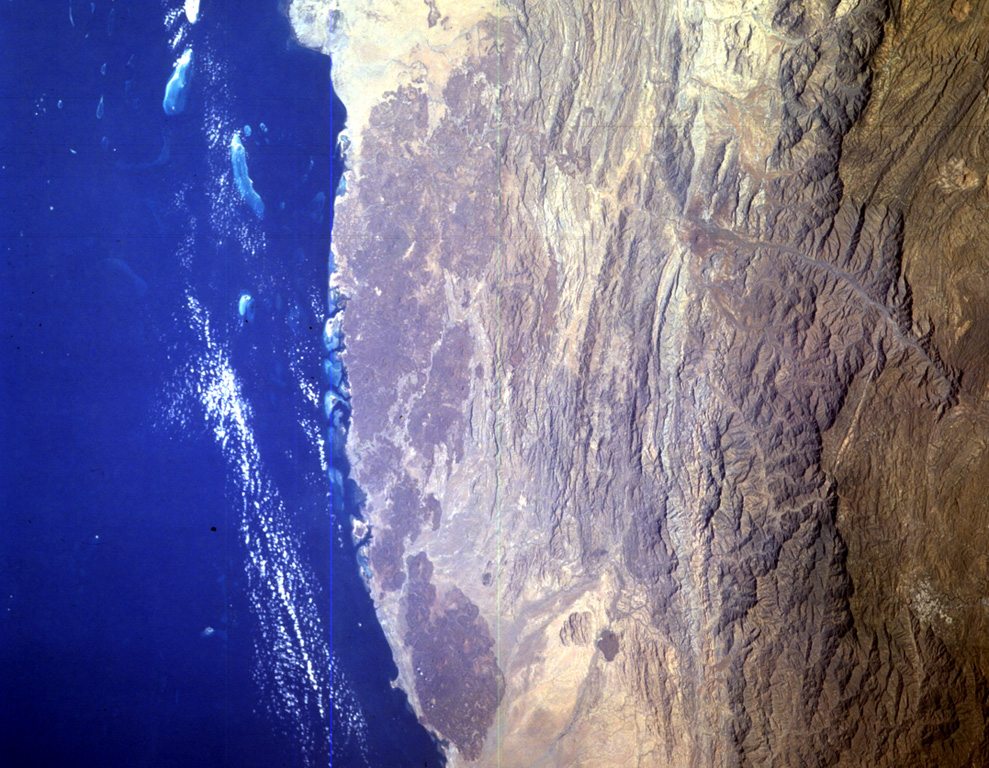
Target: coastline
{"type": "Point", "coordinates": [375, 55]}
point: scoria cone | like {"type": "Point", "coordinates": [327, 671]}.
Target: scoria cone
{"type": "Point", "coordinates": [652, 443]}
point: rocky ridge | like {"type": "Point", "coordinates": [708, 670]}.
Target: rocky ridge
{"type": "Point", "coordinates": [651, 424]}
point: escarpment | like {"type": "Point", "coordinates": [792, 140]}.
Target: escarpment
{"type": "Point", "coordinates": [665, 345]}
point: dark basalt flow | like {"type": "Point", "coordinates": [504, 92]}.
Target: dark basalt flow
{"type": "Point", "coordinates": [608, 644]}
{"type": "Point", "coordinates": [410, 513]}
{"type": "Point", "coordinates": [457, 678]}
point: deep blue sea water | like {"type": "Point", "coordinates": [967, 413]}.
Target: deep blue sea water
{"type": "Point", "coordinates": [177, 589]}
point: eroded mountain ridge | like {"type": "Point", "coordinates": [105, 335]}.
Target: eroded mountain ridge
{"type": "Point", "coordinates": [613, 318]}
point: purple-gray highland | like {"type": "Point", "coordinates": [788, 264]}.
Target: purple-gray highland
{"type": "Point", "coordinates": [667, 324]}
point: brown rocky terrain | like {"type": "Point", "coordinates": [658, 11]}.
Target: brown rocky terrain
{"type": "Point", "coordinates": [666, 328]}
